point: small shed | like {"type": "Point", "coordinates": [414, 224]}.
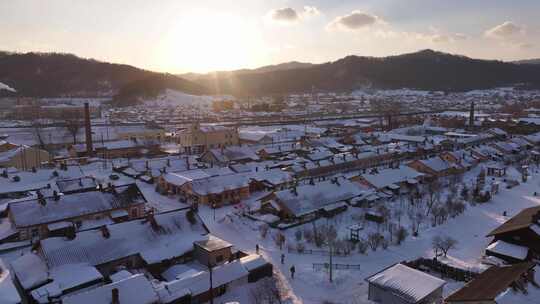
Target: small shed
{"type": "Point", "coordinates": [400, 284]}
{"type": "Point", "coordinates": [212, 251]}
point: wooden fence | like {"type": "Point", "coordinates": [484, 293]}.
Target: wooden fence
{"type": "Point", "coordinates": [445, 270]}
{"type": "Point", "coordinates": [318, 266]}
{"type": "Point", "coordinates": [317, 252]}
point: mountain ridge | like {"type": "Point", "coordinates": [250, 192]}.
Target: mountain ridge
{"type": "Point", "coordinates": [56, 74]}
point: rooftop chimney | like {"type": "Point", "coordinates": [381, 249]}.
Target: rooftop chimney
{"type": "Point", "coordinates": [105, 232]}
{"type": "Point", "coordinates": [56, 196]}
{"type": "Point", "coordinates": [88, 127]}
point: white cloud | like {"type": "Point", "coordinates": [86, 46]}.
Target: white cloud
{"type": "Point", "coordinates": [310, 11]}
{"type": "Point", "coordinates": [286, 14]}
{"type": "Point", "coordinates": [291, 15]}
{"type": "Point", "coordinates": [505, 30]}
{"type": "Point", "coordinates": [356, 20]}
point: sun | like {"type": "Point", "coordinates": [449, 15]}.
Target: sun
{"type": "Point", "coordinates": [206, 41]}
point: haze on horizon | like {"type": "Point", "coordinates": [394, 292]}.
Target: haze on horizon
{"type": "Point", "coordinates": [204, 35]}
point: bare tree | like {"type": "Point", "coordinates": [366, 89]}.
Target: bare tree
{"type": "Point", "coordinates": [433, 193]}
{"type": "Point", "coordinates": [266, 291]}
{"type": "Point", "coordinates": [444, 244]}
{"type": "Point", "coordinates": [37, 128]}
{"type": "Point", "coordinates": [73, 125]}
{"type": "Point", "coordinates": [417, 218]}
{"type": "Point", "coordinates": [401, 235]}
{"type": "Point", "coordinates": [374, 240]}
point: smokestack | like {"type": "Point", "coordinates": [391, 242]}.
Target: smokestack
{"type": "Point", "coordinates": [471, 116]}
{"type": "Point", "coordinates": [88, 127]}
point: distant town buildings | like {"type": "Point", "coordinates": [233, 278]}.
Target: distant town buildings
{"type": "Point", "coordinates": [197, 139]}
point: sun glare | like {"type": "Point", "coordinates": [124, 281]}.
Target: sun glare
{"type": "Point", "coordinates": [215, 42]}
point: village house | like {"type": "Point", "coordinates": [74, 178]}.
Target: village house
{"type": "Point", "coordinates": [190, 283]}
{"type": "Point", "coordinates": [254, 138]}
{"type": "Point", "coordinates": [227, 155]}
{"type": "Point", "coordinates": [76, 185]}
{"type": "Point", "coordinates": [345, 162]}
{"type": "Point", "coordinates": [498, 285]}
{"type": "Point", "coordinates": [394, 179]}
{"type": "Point", "coordinates": [212, 251]}
{"type": "Point", "coordinates": [460, 158]}
{"type": "Point", "coordinates": [140, 133]}
{"type": "Point", "coordinates": [506, 147]}
{"type": "Point", "coordinates": [117, 292]}
{"type": "Point", "coordinates": [276, 151]}
{"type": "Point", "coordinates": [174, 246]}
{"type": "Point", "coordinates": [22, 157]}
{"type": "Point", "coordinates": [400, 284]}
{"type": "Point", "coordinates": [219, 190]}
{"type": "Point", "coordinates": [473, 140]}
{"type": "Point", "coordinates": [435, 166]}
{"type": "Point", "coordinates": [197, 139]}
{"type": "Point", "coordinates": [175, 182]}
{"type": "Point", "coordinates": [127, 148]}
{"type": "Point", "coordinates": [315, 199]}
{"type": "Point", "coordinates": [64, 214]}
{"type": "Point", "coordinates": [521, 230]}
{"type": "Point", "coordinates": [498, 133]}
{"type": "Point", "coordinates": [223, 189]}
{"type": "Point", "coordinates": [484, 152]}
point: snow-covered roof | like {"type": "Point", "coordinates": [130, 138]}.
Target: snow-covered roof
{"type": "Point", "coordinates": [171, 236]}
{"type": "Point", "coordinates": [29, 213]}
{"type": "Point", "coordinates": [510, 250]}
{"type": "Point", "coordinates": [437, 164]}
{"type": "Point", "coordinates": [196, 281]}
{"type": "Point", "coordinates": [308, 198]}
{"type": "Point", "coordinates": [133, 290]}
{"type": "Point", "coordinates": [31, 270]}
{"type": "Point", "coordinates": [219, 184]}
{"type": "Point", "coordinates": [8, 292]}
{"type": "Point", "coordinates": [253, 261]}
{"type": "Point", "coordinates": [234, 153]}
{"type": "Point", "coordinates": [65, 278]}
{"type": "Point", "coordinates": [180, 178]}
{"type": "Point", "coordinates": [391, 176]}
{"type": "Point", "coordinates": [76, 184]}
{"type": "Point", "coordinates": [406, 282]}
{"type": "Point", "coordinates": [407, 138]}
{"type": "Point", "coordinates": [511, 296]}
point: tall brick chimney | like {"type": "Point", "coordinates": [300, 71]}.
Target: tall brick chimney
{"type": "Point", "coordinates": [88, 128]}
{"type": "Point", "coordinates": [471, 116]}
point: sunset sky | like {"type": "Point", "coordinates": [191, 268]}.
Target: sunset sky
{"type": "Point", "coordinates": [199, 36]}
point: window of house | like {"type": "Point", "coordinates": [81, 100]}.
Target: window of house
{"type": "Point", "coordinates": [219, 259]}
{"type": "Point", "coordinates": [34, 232]}
{"type": "Point", "coordinates": [134, 212]}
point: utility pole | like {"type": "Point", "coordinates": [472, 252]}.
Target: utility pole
{"type": "Point", "coordinates": [330, 254]}
{"type": "Point", "coordinates": [211, 284]}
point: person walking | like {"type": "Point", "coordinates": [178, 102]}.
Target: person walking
{"type": "Point", "coordinates": [282, 258]}
{"type": "Point", "coordinates": [257, 248]}
{"type": "Point", "coordinates": [292, 272]}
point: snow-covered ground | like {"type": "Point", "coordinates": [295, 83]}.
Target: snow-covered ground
{"type": "Point", "coordinates": [312, 286]}
{"type": "Point", "coordinates": [177, 98]}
